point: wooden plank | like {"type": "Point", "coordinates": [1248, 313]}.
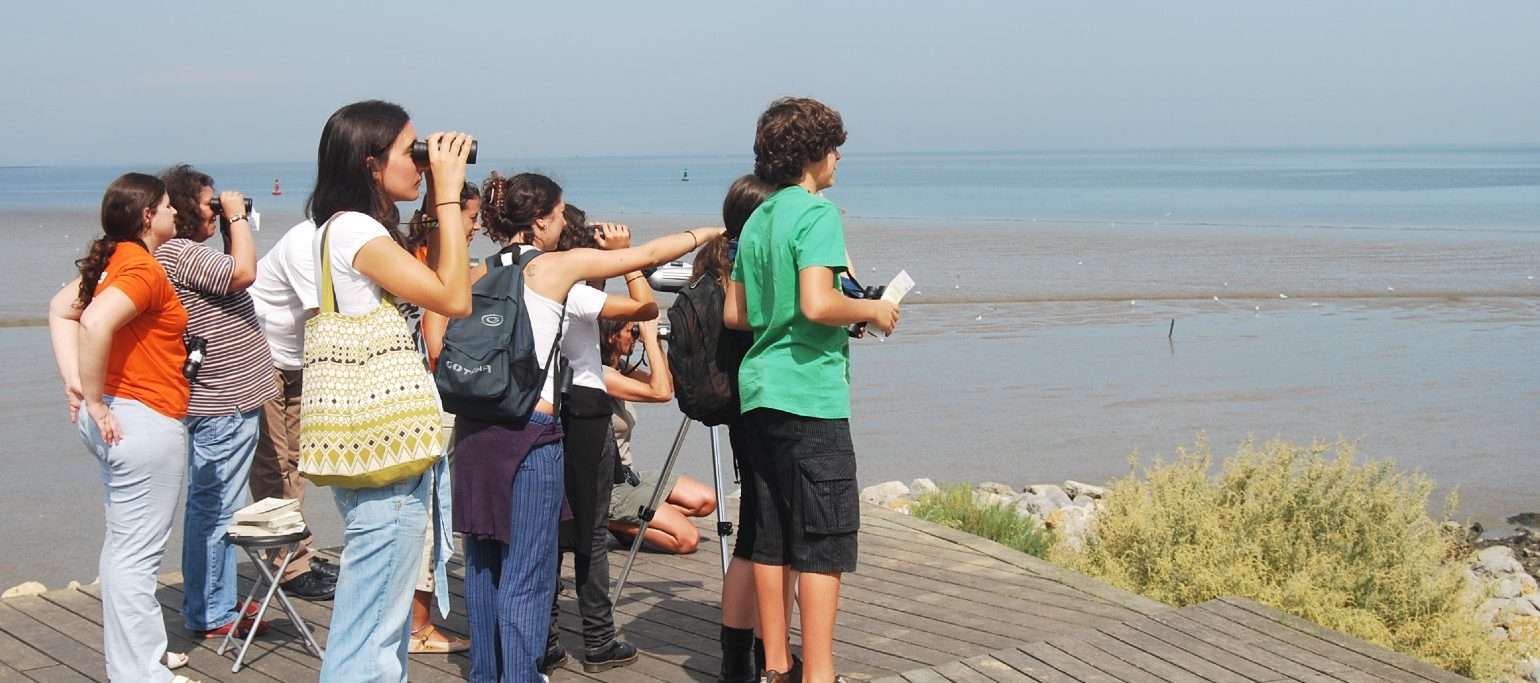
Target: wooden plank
{"type": "Point", "coordinates": [955, 641]}
{"type": "Point", "coordinates": [202, 662]}
{"type": "Point", "coordinates": [1101, 661]}
{"type": "Point", "coordinates": [1034, 669]}
{"type": "Point", "coordinates": [996, 670]}
{"type": "Point", "coordinates": [16, 620]}
{"type": "Point", "coordinates": [9, 675]}
{"type": "Point", "coordinates": [1209, 651]}
{"type": "Point", "coordinates": [1306, 659]}
{"type": "Point", "coordinates": [924, 676]}
{"type": "Point", "coordinates": [1238, 642]}
{"type": "Point", "coordinates": [1346, 659]}
{"type": "Point", "coordinates": [957, 672]}
{"type": "Point", "coordinates": [1062, 663]}
{"type": "Point", "coordinates": [1158, 666]}
{"type": "Point", "coordinates": [1022, 560]}
{"type": "Point", "coordinates": [1394, 659]}
{"type": "Point", "coordinates": [285, 659]}
{"type": "Point", "coordinates": [57, 674]}
{"type": "Point", "coordinates": [1166, 652]}
{"type": "Point", "coordinates": [854, 639]}
{"type": "Point", "coordinates": [20, 656]}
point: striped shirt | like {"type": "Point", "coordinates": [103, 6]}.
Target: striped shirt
{"type": "Point", "coordinates": [237, 372]}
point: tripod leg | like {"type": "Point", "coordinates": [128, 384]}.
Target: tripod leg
{"type": "Point", "coordinates": [650, 510]}
{"type": "Point", "coordinates": [724, 528]}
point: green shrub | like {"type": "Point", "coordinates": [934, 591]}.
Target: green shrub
{"type": "Point", "coordinates": [1347, 545]}
{"type": "Point", "coordinates": [955, 506]}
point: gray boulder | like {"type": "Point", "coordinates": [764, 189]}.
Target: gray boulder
{"type": "Point", "coordinates": [1497, 560]}
{"type": "Point", "coordinates": [1071, 524]}
{"type": "Point", "coordinates": [1035, 505]}
{"type": "Point", "coordinates": [1077, 489]}
{"type": "Point", "coordinates": [1508, 588]}
{"type": "Point", "coordinates": [920, 487]}
{"type": "Point", "coordinates": [884, 493]}
{"type": "Point", "coordinates": [1053, 493]}
{"type": "Point", "coordinates": [996, 488]}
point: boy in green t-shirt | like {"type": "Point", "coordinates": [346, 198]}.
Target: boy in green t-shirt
{"type": "Point", "coordinates": [794, 382]}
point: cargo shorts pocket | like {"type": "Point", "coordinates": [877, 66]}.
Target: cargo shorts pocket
{"type": "Point", "coordinates": [831, 504]}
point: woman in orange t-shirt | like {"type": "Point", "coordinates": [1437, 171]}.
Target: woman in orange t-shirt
{"type": "Point", "coordinates": [117, 334]}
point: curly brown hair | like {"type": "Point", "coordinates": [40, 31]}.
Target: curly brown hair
{"type": "Point", "coordinates": [510, 206]}
{"type": "Point", "coordinates": [184, 183]}
{"type": "Point", "coordinates": [576, 233]}
{"type": "Point", "coordinates": [792, 133]}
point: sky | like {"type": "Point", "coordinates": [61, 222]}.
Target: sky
{"type": "Point", "coordinates": [113, 82]}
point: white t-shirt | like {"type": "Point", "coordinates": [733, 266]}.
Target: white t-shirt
{"type": "Point", "coordinates": [284, 295]}
{"type": "Point", "coordinates": [349, 231]}
{"type": "Point", "coordinates": [580, 343]}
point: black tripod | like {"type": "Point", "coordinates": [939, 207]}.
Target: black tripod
{"type": "Point", "coordinates": [724, 528]}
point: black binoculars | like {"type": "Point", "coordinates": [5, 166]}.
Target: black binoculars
{"type": "Point", "coordinates": [420, 152]}
{"type": "Point", "coordinates": [217, 207]}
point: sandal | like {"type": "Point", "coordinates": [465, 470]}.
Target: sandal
{"type": "Point", "coordinates": [183, 679]}
{"type": "Point", "coordinates": [423, 642]}
{"type": "Point", "coordinates": [175, 660]}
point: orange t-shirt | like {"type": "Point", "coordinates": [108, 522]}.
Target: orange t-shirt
{"type": "Point", "coordinates": [145, 363]}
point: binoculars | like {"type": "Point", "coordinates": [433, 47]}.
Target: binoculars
{"type": "Point", "coordinates": [217, 207]}
{"type": "Point", "coordinates": [420, 152]}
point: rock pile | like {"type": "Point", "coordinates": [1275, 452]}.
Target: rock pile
{"type": "Point", "coordinates": [1512, 605]}
{"type": "Point", "coordinates": [1069, 508]}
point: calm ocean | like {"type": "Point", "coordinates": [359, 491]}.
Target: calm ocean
{"type": "Point", "coordinates": [1383, 295]}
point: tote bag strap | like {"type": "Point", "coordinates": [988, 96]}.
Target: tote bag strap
{"type": "Point", "coordinates": [328, 290]}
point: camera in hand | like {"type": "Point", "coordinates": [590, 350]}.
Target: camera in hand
{"type": "Point", "coordinates": [196, 347]}
{"type": "Point", "coordinates": [420, 152]}
{"type": "Point", "coordinates": [853, 289]}
{"type": "Point", "coordinates": [219, 208]}
{"type": "Point", "coordinates": [663, 329]}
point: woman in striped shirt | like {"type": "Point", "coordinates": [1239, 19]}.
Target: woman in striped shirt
{"type": "Point", "coordinates": [227, 390]}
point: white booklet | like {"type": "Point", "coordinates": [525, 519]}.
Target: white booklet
{"type": "Point", "coordinates": [266, 510]}
{"type": "Point", "coordinates": [898, 287]}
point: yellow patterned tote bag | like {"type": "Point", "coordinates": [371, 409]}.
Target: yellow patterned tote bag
{"type": "Point", "coordinates": [370, 412]}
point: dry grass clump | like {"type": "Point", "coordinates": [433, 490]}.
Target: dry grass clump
{"type": "Point", "coordinates": [1347, 545]}
{"type": "Point", "coordinates": [955, 506]}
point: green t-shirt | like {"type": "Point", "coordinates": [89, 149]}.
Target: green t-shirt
{"type": "Point", "coordinates": [795, 365]}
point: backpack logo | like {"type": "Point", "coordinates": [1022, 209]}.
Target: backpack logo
{"type": "Point", "coordinates": [492, 320]}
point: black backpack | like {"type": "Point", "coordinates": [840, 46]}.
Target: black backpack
{"type": "Point", "coordinates": [703, 355]}
{"type": "Point", "coordinates": [488, 370]}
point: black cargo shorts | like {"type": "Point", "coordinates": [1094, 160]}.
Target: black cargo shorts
{"type": "Point", "coordinates": [807, 504]}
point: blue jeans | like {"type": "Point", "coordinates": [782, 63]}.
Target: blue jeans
{"type": "Point", "coordinates": [219, 453]}
{"type": "Point", "coordinates": [383, 530]}
{"type": "Point", "coordinates": [509, 588]}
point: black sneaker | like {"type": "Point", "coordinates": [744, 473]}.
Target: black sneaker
{"type": "Point", "coordinates": [311, 586]}
{"type": "Point", "coordinates": [555, 658]}
{"type": "Point", "coordinates": [619, 653]}
{"type": "Point", "coordinates": [324, 568]}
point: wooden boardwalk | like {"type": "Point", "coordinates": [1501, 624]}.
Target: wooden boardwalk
{"type": "Point", "coordinates": [928, 604]}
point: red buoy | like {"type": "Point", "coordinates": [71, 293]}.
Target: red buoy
{"type": "Point", "coordinates": [276, 189]}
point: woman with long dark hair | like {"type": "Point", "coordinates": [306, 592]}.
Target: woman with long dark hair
{"type": "Point", "coordinates": [508, 479]}
{"type": "Point", "coordinates": [228, 390]}
{"type": "Point", "coordinates": [365, 166]}
{"type": "Point", "coordinates": [117, 337]}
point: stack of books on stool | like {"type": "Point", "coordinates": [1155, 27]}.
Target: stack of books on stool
{"type": "Point", "coordinates": [268, 517]}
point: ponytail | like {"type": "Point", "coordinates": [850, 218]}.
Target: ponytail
{"type": "Point", "coordinates": [123, 207]}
